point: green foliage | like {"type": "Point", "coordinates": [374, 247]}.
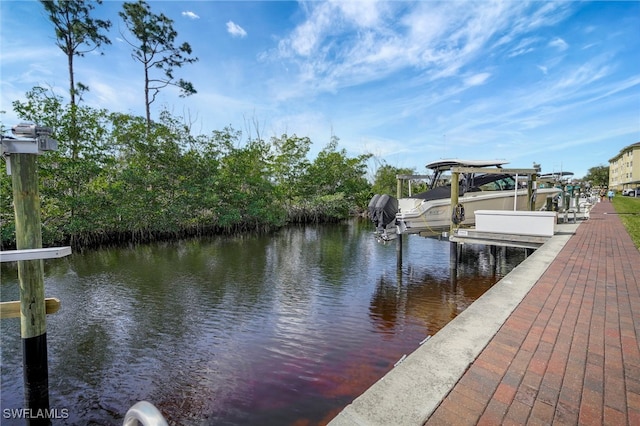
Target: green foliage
{"type": "Point", "coordinates": [629, 210]}
{"type": "Point", "coordinates": [598, 176]}
{"type": "Point", "coordinates": [386, 182]}
{"type": "Point", "coordinates": [119, 178]}
{"type": "Point", "coordinates": [7, 224]}
{"type": "Point", "coordinates": [65, 174]}
{"type": "Point", "coordinates": [76, 33]}
{"type": "Point", "coordinates": [333, 173]}
{"type": "Point", "coordinates": [155, 50]}
{"type": "Point", "coordinates": [288, 163]}
{"type": "Point", "coordinates": [246, 194]}
{"type": "Point", "coordinates": [120, 181]}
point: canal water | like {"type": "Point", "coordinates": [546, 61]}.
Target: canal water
{"type": "Point", "coordinates": [284, 329]}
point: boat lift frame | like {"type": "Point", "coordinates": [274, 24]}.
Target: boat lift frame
{"type": "Point", "coordinates": [531, 174]}
{"type": "Point", "coordinates": [455, 180]}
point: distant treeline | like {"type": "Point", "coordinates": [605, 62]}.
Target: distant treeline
{"type": "Point", "coordinates": [114, 180]}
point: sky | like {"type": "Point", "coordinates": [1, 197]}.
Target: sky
{"type": "Point", "coordinates": [411, 82]}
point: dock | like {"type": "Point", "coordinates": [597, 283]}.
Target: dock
{"type": "Point", "coordinates": [522, 229]}
{"type": "Point", "coordinates": [556, 341]}
{"type": "Point", "coordinates": [473, 236]}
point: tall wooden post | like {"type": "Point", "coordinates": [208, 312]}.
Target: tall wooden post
{"type": "Point", "coordinates": [455, 191]}
{"type": "Point", "coordinates": [531, 187]}
{"type": "Point", "coordinates": [399, 239]}
{"type": "Point", "coordinates": [453, 246]}
{"type": "Point", "coordinates": [26, 201]}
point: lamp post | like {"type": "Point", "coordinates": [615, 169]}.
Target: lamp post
{"type": "Point", "coordinates": [22, 150]}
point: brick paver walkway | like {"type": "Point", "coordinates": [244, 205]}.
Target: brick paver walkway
{"type": "Point", "coordinates": [569, 353]}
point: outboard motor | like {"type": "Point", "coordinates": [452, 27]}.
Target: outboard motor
{"type": "Point", "coordinates": [372, 208]}
{"type": "Point", "coordinates": [385, 211]}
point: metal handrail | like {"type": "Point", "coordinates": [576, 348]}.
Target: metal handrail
{"type": "Point", "coordinates": [145, 413]}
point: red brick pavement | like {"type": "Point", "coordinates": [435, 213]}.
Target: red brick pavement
{"type": "Point", "coordinates": [569, 353]}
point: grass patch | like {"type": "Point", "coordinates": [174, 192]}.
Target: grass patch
{"type": "Point", "coordinates": [624, 206]}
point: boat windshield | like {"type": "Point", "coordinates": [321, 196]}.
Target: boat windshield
{"type": "Point", "coordinates": [469, 183]}
{"type": "Point", "coordinates": [503, 184]}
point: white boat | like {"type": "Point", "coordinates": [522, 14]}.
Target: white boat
{"type": "Point", "coordinates": [430, 213]}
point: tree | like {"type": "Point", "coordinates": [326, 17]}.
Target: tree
{"type": "Point", "coordinates": [337, 182]}
{"type": "Point", "coordinates": [66, 182]}
{"type": "Point", "coordinates": [76, 33]}
{"type": "Point", "coordinates": [289, 163]}
{"type": "Point", "coordinates": [156, 50]}
{"type": "Point", "coordinates": [386, 182]}
{"type": "Point", "coordinates": [598, 176]}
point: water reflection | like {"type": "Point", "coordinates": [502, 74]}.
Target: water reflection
{"type": "Point", "coordinates": [285, 329]}
{"type": "Point", "coordinates": [433, 296]}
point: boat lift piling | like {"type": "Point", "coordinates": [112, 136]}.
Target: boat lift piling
{"type": "Point", "coordinates": [399, 180]}
{"type": "Point", "coordinates": [20, 154]}
{"type": "Point", "coordinates": [454, 252]}
{"type": "Point", "coordinates": [399, 239]}
{"type": "Point", "coordinates": [455, 235]}
{"type": "Point", "coordinates": [453, 246]}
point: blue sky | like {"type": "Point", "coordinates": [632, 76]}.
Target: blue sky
{"type": "Point", "coordinates": [553, 82]}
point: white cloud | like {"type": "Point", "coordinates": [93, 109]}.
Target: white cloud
{"type": "Point", "coordinates": [361, 13]}
{"type": "Point", "coordinates": [524, 46]}
{"type": "Point", "coordinates": [189, 14]}
{"type": "Point", "coordinates": [308, 36]}
{"type": "Point", "coordinates": [559, 44]}
{"type": "Point", "coordinates": [235, 30]}
{"type": "Point", "coordinates": [548, 14]}
{"type": "Point", "coordinates": [11, 54]}
{"type": "Point", "coordinates": [114, 95]}
{"type": "Point", "coordinates": [345, 44]}
{"type": "Point", "coordinates": [543, 69]}
{"type": "Point", "coordinates": [477, 79]}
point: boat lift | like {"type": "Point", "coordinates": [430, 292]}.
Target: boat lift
{"type": "Point", "coordinates": [456, 235]}
{"type": "Point", "coordinates": [492, 239]}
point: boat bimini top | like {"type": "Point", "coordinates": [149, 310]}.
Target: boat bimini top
{"type": "Point", "coordinates": [442, 165]}
{"type": "Point", "coordinates": [470, 182]}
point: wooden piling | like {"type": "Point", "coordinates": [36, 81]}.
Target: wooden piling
{"type": "Point", "coordinates": [399, 239]}
{"type": "Point", "coordinates": [455, 192]}
{"type": "Point", "coordinates": [26, 201]}
{"type": "Point", "coordinates": [549, 205]}
{"type": "Point", "coordinates": [492, 255]}
{"type": "Point", "coordinates": [531, 186]}
{"type": "Point", "coordinates": [453, 246]}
